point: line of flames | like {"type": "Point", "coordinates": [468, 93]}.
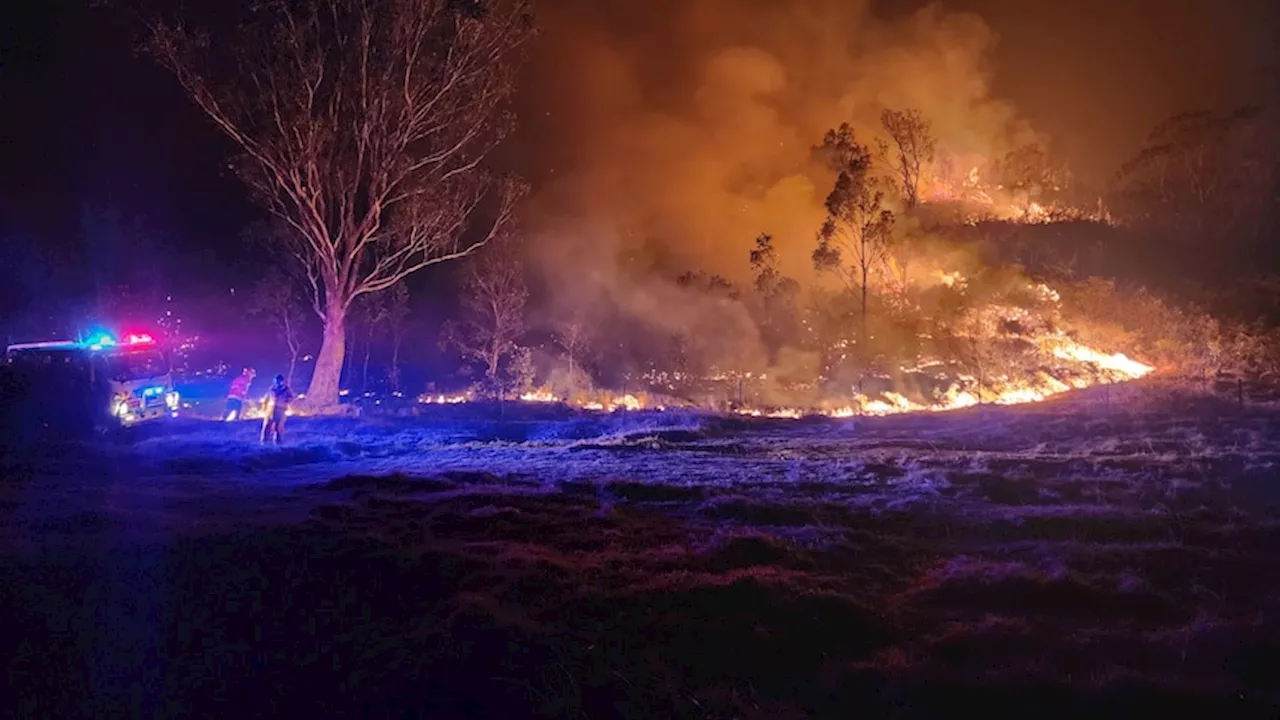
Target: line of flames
{"type": "Point", "coordinates": [600, 402]}
{"type": "Point", "coordinates": [1089, 367]}
{"type": "Point", "coordinates": [998, 203]}
{"type": "Point", "coordinates": [1094, 366]}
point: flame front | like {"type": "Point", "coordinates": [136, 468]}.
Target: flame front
{"type": "Point", "coordinates": [1074, 365]}
{"type": "Point", "coordinates": [444, 399]}
{"type": "Point", "coordinates": [986, 201]}
{"type": "Point", "coordinates": [1080, 366]}
{"type": "Point", "coordinates": [541, 395]}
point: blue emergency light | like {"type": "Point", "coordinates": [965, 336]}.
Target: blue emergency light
{"type": "Point", "coordinates": [100, 340]}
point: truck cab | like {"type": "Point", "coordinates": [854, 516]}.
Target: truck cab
{"type": "Point", "coordinates": [100, 381]}
{"type": "Point", "coordinates": [137, 379]}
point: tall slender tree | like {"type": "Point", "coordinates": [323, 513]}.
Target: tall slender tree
{"type": "Point", "coordinates": [777, 295]}
{"type": "Point", "coordinates": [854, 239]}
{"type": "Point", "coordinates": [908, 151]}
{"type": "Point", "coordinates": [493, 315]}
{"type": "Point", "coordinates": [573, 334]}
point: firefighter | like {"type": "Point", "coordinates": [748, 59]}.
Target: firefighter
{"type": "Point", "coordinates": [239, 394]}
{"type": "Point", "coordinates": [278, 400]}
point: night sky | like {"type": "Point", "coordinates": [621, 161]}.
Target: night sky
{"type": "Point", "coordinates": [108, 172]}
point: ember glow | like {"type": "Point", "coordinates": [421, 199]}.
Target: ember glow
{"type": "Point", "coordinates": [259, 411]}
{"type": "Point", "coordinates": [984, 200]}
{"type": "Point", "coordinates": [608, 402]}
{"type": "Point", "coordinates": [444, 399]}
{"type": "Point", "coordinates": [542, 395]}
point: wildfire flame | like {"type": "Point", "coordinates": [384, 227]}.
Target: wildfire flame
{"type": "Point", "coordinates": [611, 404]}
{"type": "Point", "coordinates": [995, 202]}
{"type": "Point", "coordinates": [1117, 363]}
{"type": "Point", "coordinates": [1077, 366]}
{"type": "Point", "coordinates": [602, 401]}
{"type": "Point", "coordinates": [790, 413]}
{"type": "Point", "coordinates": [541, 395]}
{"type": "Point", "coordinates": [444, 399]}
{"type": "Point", "coordinates": [1083, 366]}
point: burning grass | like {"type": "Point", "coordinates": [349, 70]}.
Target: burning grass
{"type": "Point", "coordinates": [992, 340]}
{"type": "Point", "coordinates": [660, 565]}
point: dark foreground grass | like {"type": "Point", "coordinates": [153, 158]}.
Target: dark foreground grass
{"type": "Point", "coordinates": [470, 596]}
{"type": "Point", "coordinates": [1057, 563]}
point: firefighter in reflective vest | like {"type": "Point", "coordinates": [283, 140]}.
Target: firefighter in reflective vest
{"type": "Point", "coordinates": [238, 394]}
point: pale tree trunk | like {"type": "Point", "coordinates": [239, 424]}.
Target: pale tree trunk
{"type": "Point", "coordinates": [292, 342]}
{"type": "Point", "coordinates": [395, 363]}
{"type": "Point", "coordinates": [496, 386]}
{"type": "Point", "coordinates": [864, 352]}
{"type": "Point", "coordinates": [492, 373]}
{"type": "Point", "coordinates": [364, 370]}
{"type": "Point", "coordinates": [351, 114]}
{"type": "Point", "coordinates": [328, 373]}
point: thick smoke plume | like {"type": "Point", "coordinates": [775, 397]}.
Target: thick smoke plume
{"type": "Point", "coordinates": [675, 132]}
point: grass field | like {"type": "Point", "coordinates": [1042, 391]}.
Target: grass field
{"type": "Point", "coordinates": [1095, 554]}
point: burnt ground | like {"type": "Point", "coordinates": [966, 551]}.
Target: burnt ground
{"type": "Point", "coordinates": [1076, 557]}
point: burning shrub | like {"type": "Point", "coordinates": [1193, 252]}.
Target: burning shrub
{"type": "Point", "coordinates": [570, 382]}
{"type": "Point", "coordinates": [1134, 321]}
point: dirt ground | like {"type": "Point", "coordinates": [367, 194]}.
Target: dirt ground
{"type": "Point", "coordinates": [1092, 555]}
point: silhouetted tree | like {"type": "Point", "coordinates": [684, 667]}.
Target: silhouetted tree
{"type": "Point", "coordinates": [854, 239]}
{"type": "Point", "coordinates": [1029, 173]}
{"type": "Point", "coordinates": [1199, 171]}
{"type": "Point", "coordinates": [777, 294]}
{"type": "Point", "coordinates": [364, 125]}
{"type": "Point", "coordinates": [909, 149]}
{"type": "Point", "coordinates": [574, 334]}
{"type": "Point", "coordinates": [713, 284]}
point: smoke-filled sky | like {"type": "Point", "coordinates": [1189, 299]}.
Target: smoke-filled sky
{"type": "Point", "coordinates": [665, 132]}
{"type": "Point", "coordinates": [680, 128]}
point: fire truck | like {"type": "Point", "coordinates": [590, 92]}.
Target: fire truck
{"type": "Point", "coordinates": [104, 381]}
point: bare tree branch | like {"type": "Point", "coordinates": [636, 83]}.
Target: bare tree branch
{"type": "Point", "coordinates": [493, 312]}
{"type": "Point", "coordinates": [910, 148]}
{"type": "Point", "coordinates": [364, 125]}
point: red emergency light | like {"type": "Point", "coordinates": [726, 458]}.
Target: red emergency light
{"type": "Point", "coordinates": [138, 339]}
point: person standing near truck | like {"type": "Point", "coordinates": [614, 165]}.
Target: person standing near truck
{"type": "Point", "coordinates": [238, 394]}
{"type": "Point", "coordinates": [278, 399]}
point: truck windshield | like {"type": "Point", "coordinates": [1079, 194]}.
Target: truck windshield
{"type": "Point", "coordinates": [136, 365]}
